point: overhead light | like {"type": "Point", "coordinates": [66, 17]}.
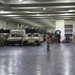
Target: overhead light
{"type": "Point", "coordinates": [44, 8]}
{"type": "Point", "coordinates": [66, 13]}
{"type": "Point", "coordinates": [70, 10]}
{"type": "Point", "coordinates": [38, 14]}
{"type": "Point", "coordinates": [20, 0]}
{"type": "Point", "coordinates": [12, 15]}
{"type": "Point", "coordinates": [1, 11]}
{"type": "Point", "coordinates": [48, 14]}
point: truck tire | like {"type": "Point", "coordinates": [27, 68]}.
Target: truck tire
{"type": "Point", "coordinates": [19, 44]}
{"type": "Point", "coordinates": [24, 43]}
{"type": "Point", "coordinates": [38, 43]}
{"type": "Point", "coordinates": [7, 43]}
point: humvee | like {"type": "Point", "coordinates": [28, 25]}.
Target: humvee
{"type": "Point", "coordinates": [15, 37]}
{"type": "Point", "coordinates": [32, 38]}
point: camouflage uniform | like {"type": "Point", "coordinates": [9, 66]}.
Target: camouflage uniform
{"type": "Point", "coordinates": [48, 41]}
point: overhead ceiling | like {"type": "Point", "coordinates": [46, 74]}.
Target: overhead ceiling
{"type": "Point", "coordinates": [37, 12]}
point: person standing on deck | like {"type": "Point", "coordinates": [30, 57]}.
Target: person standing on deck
{"type": "Point", "coordinates": [48, 38]}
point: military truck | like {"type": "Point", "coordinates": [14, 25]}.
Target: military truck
{"type": "Point", "coordinates": [15, 37]}
{"type": "Point", "coordinates": [3, 36]}
{"type": "Point", "coordinates": [32, 38]}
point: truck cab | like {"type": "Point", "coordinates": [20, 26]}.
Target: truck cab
{"type": "Point", "coordinates": [15, 37]}
{"type": "Point", "coordinates": [30, 38]}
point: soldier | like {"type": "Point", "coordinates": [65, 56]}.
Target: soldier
{"type": "Point", "coordinates": [1, 40]}
{"type": "Point", "coordinates": [48, 39]}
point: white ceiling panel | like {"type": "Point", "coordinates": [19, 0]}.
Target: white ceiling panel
{"type": "Point", "coordinates": [37, 12]}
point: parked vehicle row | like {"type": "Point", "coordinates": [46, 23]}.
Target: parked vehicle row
{"type": "Point", "coordinates": [20, 37]}
{"type": "Point", "coordinates": [32, 38]}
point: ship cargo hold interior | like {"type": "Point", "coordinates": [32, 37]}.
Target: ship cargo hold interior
{"type": "Point", "coordinates": [24, 25]}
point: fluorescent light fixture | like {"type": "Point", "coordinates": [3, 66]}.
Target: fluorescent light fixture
{"type": "Point", "coordinates": [20, 0]}
{"type": "Point", "coordinates": [44, 8]}
{"type": "Point", "coordinates": [1, 11]}
{"type": "Point", "coordinates": [70, 10]}
{"type": "Point", "coordinates": [37, 14]}
{"type": "Point", "coordinates": [12, 15]}
{"type": "Point", "coordinates": [66, 14]}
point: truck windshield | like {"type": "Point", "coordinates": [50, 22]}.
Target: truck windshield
{"type": "Point", "coordinates": [14, 35]}
{"type": "Point", "coordinates": [36, 35]}
{"type": "Point", "coordinates": [18, 35]}
{"type": "Point", "coordinates": [29, 35]}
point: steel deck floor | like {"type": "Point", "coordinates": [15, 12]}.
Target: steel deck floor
{"type": "Point", "coordinates": [36, 60]}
